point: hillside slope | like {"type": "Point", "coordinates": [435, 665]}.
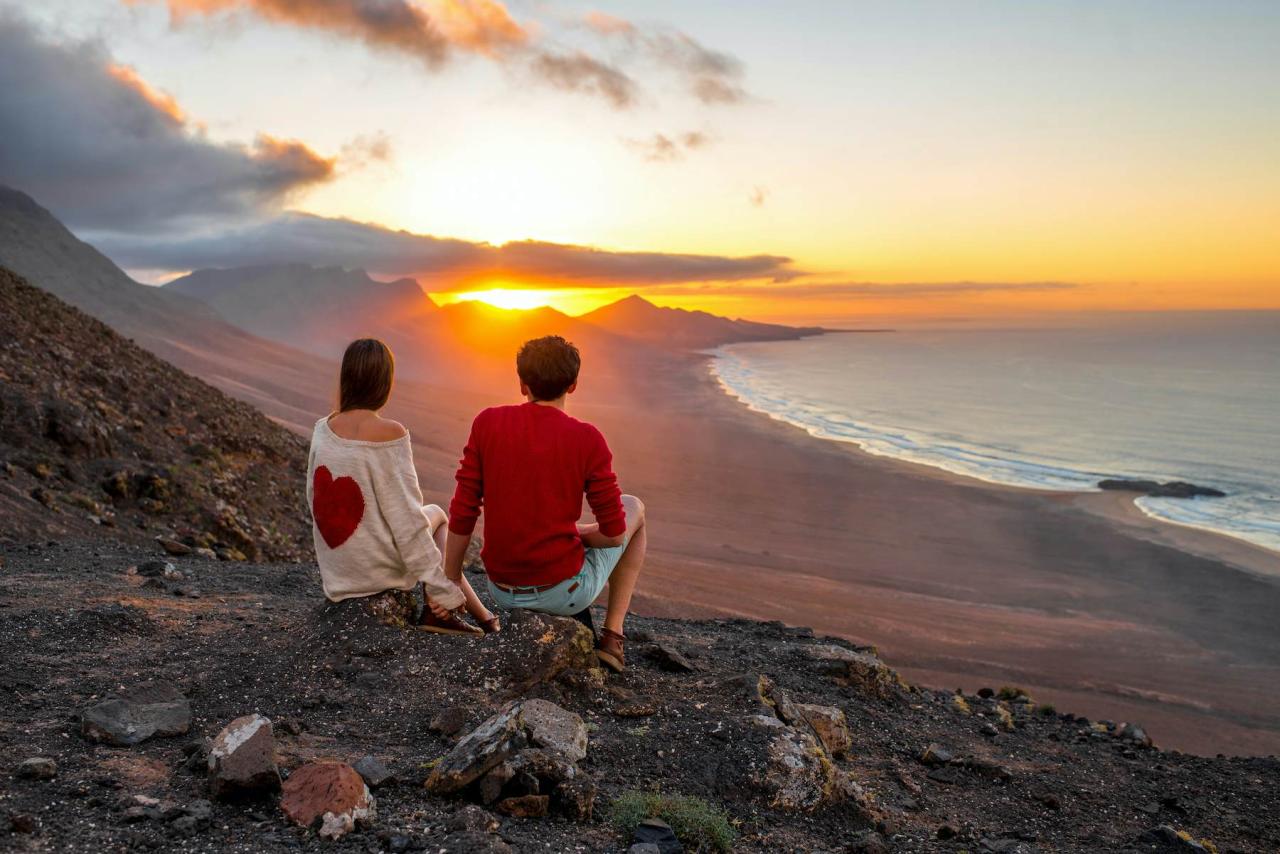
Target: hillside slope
{"type": "Point", "coordinates": [311, 308]}
{"type": "Point", "coordinates": [792, 743]}
{"type": "Point", "coordinates": [96, 431]}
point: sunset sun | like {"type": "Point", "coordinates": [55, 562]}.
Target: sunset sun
{"type": "Point", "coordinates": [506, 298]}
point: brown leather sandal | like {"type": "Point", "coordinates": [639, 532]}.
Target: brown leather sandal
{"type": "Point", "coordinates": [611, 651]}
{"type": "Point", "coordinates": [450, 625]}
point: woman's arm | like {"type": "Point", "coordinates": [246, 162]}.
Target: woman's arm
{"type": "Point", "coordinates": [400, 500]}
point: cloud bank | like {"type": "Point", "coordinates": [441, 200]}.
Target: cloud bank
{"type": "Point", "coordinates": [104, 150]}
{"type": "Point", "coordinates": [443, 262]}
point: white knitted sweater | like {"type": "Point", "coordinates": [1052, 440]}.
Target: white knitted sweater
{"type": "Point", "coordinates": [370, 527]}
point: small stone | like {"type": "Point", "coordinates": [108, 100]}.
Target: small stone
{"type": "Point", "coordinates": [635, 710]}
{"type": "Point", "coordinates": [668, 658]}
{"type": "Point", "coordinates": [525, 806]}
{"type": "Point", "coordinates": [472, 818]}
{"type": "Point", "coordinates": [242, 759]}
{"type": "Point", "coordinates": [174, 547]}
{"type": "Point", "coordinates": [157, 569]}
{"type": "Point", "coordinates": [644, 848]}
{"type": "Point", "coordinates": [22, 822]}
{"type": "Point", "coordinates": [375, 774]}
{"type": "Point", "coordinates": [986, 693]}
{"type": "Point", "coordinates": [185, 826]}
{"type": "Point", "coordinates": [206, 553]}
{"type": "Point", "coordinates": [946, 832]}
{"type": "Point", "coordinates": [867, 842]}
{"type": "Point", "coordinates": [936, 754]}
{"type": "Point", "coordinates": [989, 730]}
{"type": "Point", "coordinates": [38, 768]}
{"type": "Point", "coordinates": [328, 792]}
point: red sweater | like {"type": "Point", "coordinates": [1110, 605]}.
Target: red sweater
{"type": "Point", "coordinates": [529, 465]}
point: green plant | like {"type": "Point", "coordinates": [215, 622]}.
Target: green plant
{"type": "Point", "coordinates": [1010, 692]}
{"type": "Point", "coordinates": [700, 825]}
{"type": "Point", "coordinates": [1048, 710]}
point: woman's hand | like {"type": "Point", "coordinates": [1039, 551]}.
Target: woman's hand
{"type": "Point", "coordinates": [439, 610]}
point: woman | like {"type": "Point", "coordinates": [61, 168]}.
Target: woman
{"type": "Point", "coordinates": [372, 532]}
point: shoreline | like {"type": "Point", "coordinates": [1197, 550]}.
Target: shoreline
{"type": "Point", "coordinates": [1213, 543]}
{"type": "Point", "coordinates": [1085, 602]}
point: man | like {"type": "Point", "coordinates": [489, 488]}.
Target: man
{"type": "Point", "coordinates": [529, 465]}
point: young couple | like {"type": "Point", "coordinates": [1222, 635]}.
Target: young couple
{"type": "Point", "coordinates": [528, 465]}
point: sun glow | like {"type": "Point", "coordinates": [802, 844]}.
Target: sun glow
{"type": "Point", "coordinates": [571, 301]}
{"type": "Point", "coordinates": [502, 298]}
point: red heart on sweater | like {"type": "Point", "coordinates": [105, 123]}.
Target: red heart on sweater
{"type": "Point", "coordinates": [337, 506]}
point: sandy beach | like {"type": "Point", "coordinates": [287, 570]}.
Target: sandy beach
{"type": "Point", "coordinates": [1078, 598]}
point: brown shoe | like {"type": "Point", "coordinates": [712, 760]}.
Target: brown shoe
{"type": "Point", "coordinates": [610, 650]}
{"type": "Point", "coordinates": [450, 625]}
{"type": "Point", "coordinates": [491, 626]}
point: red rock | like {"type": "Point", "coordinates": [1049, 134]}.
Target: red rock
{"type": "Point", "coordinates": [331, 793]}
{"type": "Point", "coordinates": [525, 806]}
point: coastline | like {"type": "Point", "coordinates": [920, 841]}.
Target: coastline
{"type": "Point", "coordinates": [961, 583]}
{"type": "Point", "coordinates": [1214, 543]}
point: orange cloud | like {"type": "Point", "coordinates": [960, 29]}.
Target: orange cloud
{"type": "Point", "coordinates": [163, 102]}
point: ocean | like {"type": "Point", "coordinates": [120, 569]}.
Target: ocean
{"type": "Point", "coordinates": [1177, 396]}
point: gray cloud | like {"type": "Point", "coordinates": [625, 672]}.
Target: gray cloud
{"type": "Point", "coordinates": [711, 76]}
{"type": "Point", "coordinates": [869, 290]}
{"type": "Point", "coordinates": [442, 263]}
{"type": "Point", "coordinates": [579, 72]}
{"type": "Point", "coordinates": [103, 150]}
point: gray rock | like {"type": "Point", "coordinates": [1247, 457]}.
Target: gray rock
{"type": "Point", "coordinates": [668, 658]}
{"type": "Point", "coordinates": [517, 725]}
{"type": "Point", "coordinates": [157, 569]}
{"type": "Point", "coordinates": [644, 848]}
{"type": "Point", "coordinates": [936, 754]}
{"type": "Point", "coordinates": [133, 716]}
{"type": "Point", "coordinates": [374, 772]}
{"type": "Point", "coordinates": [656, 832]}
{"type": "Point", "coordinates": [38, 768]}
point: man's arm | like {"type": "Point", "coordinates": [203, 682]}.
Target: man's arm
{"type": "Point", "coordinates": [603, 496]}
{"type": "Point", "coordinates": [455, 552]}
{"type": "Point", "coordinates": [464, 509]}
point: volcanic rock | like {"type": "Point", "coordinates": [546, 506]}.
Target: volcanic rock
{"type": "Point", "coordinates": [133, 716]}
{"type": "Point", "coordinates": [38, 768]}
{"type": "Point", "coordinates": [829, 725]}
{"type": "Point", "coordinates": [375, 774]}
{"type": "Point", "coordinates": [330, 793]}
{"type": "Point", "coordinates": [524, 806]}
{"type": "Point", "coordinates": [668, 658]}
{"type": "Point", "coordinates": [862, 669]}
{"type": "Point", "coordinates": [242, 760]}
{"type": "Point", "coordinates": [797, 774]}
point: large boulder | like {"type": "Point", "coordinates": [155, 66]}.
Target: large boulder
{"type": "Point", "coordinates": [132, 716]}
{"type": "Point", "coordinates": [242, 759]}
{"type": "Point", "coordinates": [330, 794]}
{"type": "Point", "coordinates": [829, 725]}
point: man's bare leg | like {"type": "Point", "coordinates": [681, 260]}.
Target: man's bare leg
{"type": "Point", "coordinates": [622, 581]}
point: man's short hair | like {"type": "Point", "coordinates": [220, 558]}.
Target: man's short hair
{"type": "Point", "coordinates": [548, 366]}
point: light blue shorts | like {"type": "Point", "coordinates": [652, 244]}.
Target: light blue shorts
{"type": "Point", "coordinates": [571, 595]}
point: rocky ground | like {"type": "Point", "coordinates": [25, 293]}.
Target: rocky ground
{"type": "Point", "coordinates": [97, 432]}
{"type": "Point", "coordinates": [799, 743]}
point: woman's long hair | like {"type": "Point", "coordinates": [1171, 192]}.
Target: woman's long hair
{"type": "Point", "coordinates": [368, 369]}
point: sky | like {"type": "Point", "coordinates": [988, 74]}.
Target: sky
{"type": "Point", "coordinates": [794, 161]}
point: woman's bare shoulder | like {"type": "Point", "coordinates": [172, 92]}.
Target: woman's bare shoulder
{"type": "Point", "coordinates": [385, 430]}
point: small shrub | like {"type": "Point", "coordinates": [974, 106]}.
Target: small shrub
{"type": "Point", "coordinates": [698, 824]}
{"type": "Point", "coordinates": [960, 704]}
{"type": "Point", "coordinates": [1010, 692]}
{"type": "Point", "coordinates": [1048, 710]}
